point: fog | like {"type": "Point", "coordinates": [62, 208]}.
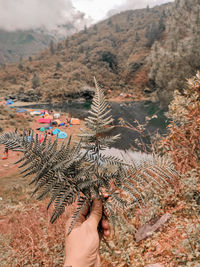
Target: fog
{"type": "Point", "coordinates": [136, 4]}
{"type": "Point", "coordinates": [31, 14]}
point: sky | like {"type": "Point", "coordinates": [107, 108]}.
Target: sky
{"type": "Point", "coordinates": [31, 14]}
{"type": "Point", "coordinates": [96, 9]}
{"type": "Point", "coordinates": [100, 9]}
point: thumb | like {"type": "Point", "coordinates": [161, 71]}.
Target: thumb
{"type": "Point", "coordinates": [96, 213]}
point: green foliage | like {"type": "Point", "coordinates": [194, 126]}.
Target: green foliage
{"type": "Point", "coordinates": [58, 65]}
{"type": "Point", "coordinates": [35, 81]}
{"type": "Point", "coordinates": [20, 66]}
{"type": "Point", "coordinates": [66, 43]}
{"type": "Point", "coordinates": [52, 49]}
{"type": "Point", "coordinates": [154, 32]}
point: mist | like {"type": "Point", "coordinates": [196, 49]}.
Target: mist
{"type": "Point", "coordinates": [136, 4]}
{"type": "Point", "coordinates": [32, 14]}
{"type": "Point", "coordinates": [49, 14]}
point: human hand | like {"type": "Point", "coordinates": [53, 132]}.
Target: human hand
{"type": "Point", "coordinates": [82, 244]}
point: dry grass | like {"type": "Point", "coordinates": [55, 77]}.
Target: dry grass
{"type": "Point", "coordinates": [11, 120]}
{"type": "Point", "coordinates": [29, 239]}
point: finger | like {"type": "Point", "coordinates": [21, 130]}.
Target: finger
{"type": "Point", "coordinates": [106, 195]}
{"type": "Point", "coordinates": [106, 233]}
{"type": "Point", "coordinates": [96, 213]}
{"type": "Point", "coordinates": [98, 261]}
{"type": "Point", "coordinates": [105, 224]}
{"type": "Point", "coordinates": [106, 227]}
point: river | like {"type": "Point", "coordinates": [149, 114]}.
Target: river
{"type": "Point", "coordinates": [129, 112]}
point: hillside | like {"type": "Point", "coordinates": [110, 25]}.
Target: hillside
{"type": "Point", "coordinates": [21, 44]}
{"type": "Point", "coordinates": [113, 50]}
{"type": "Point", "coordinates": [176, 57]}
{"type": "Point", "coordinates": [145, 52]}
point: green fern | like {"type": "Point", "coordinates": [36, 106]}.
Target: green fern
{"type": "Point", "coordinates": [82, 173]}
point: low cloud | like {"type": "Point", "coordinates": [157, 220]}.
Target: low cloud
{"type": "Point", "coordinates": [136, 4]}
{"type": "Point", "coordinates": [32, 14]}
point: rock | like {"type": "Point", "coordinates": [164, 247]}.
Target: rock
{"type": "Point", "coordinates": [30, 92]}
{"type": "Point", "coordinates": [31, 95]}
{"type": "Point", "coordinates": [134, 66]}
{"type": "Point", "coordinates": [148, 90]}
{"type": "Point", "coordinates": [21, 90]}
{"type": "Point", "coordinates": [57, 75]}
{"type": "Point", "coordinates": [13, 97]}
{"type": "Point", "coordinates": [149, 228]}
{"type": "Point", "coordinates": [28, 98]}
{"type": "Point", "coordinates": [85, 93]}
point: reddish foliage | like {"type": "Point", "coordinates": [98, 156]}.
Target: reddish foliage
{"type": "Point", "coordinates": [182, 143]}
{"type": "Point", "coordinates": [33, 240]}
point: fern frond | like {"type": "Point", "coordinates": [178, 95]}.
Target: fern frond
{"type": "Point", "coordinates": [81, 206]}
{"type": "Point", "coordinates": [83, 172]}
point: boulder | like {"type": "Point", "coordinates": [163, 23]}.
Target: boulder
{"type": "Point", "coordinates": [86, 93]}
{"type": "Point", "coordinates": [149, 228]}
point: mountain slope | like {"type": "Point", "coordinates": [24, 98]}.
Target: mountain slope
{"type": "Point", "coordinates": [177, 56]}
{"type": "Point", "coordinates": [137, 52]}
{"type": "Point", "coordinates": [16, 45]}
{"type": "Point", "coordinates": [113, 50]}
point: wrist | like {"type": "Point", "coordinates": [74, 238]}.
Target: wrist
{"type": "Point", "coordinates": [73, 263]}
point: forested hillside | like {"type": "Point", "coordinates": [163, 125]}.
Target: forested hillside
{"type": "Point", "coordinates": [21, 44]}
{"type": "Point", "coordinates": [113, 50]}
{"type": "Point", "coordinates": [143, 52]}
{"type": "Point", "coordinates": [177, 56]}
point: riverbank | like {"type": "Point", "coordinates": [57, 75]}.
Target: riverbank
{"type": "Point", "coordinates": [145, 115]}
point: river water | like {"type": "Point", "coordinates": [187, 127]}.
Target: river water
{"type": "Point", "coordinates": [129, 112]}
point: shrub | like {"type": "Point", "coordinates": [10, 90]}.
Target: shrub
{"type": "Point", "coordinates": [32, 241]}
{"type": "Point", "coordinates": [35, 81]}
{"type": "Point", "coordinates": [182, 142]}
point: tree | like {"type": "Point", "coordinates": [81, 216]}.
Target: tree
{"type": "Point", "coordinates": [66, 43]}
{"type": "Point", "coordinates": [35, 81]}
{"type": "Point", "coordinates": [85, 29]}
{"type": "Point", "coordinates": [52, 50]}
{"type": "Point", "coordinates": [117, 28]}
{"type": "Point", "coordinates": [137, 37]}
{"type": "Point", "coordinates": [109, 22]}
{"type": "Point", "coordinates": [154, 32]}
{"type": "Point", "coordinates": [59, 46]}
{"type": "Point", "coordinates": [58, 65]}
{"type": "Point", "coordinates": [20, 66]}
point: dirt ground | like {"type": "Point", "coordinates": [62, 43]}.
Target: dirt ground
{"type": "Point", "coordinates": [12, 184]}
{"type": "Point", "coordinates": [7, 167]}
